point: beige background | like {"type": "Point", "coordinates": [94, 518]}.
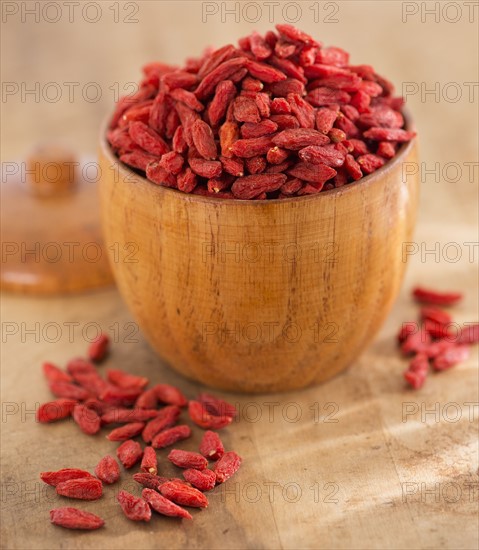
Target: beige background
{"type": "Point", "coordinates": [371, 457]}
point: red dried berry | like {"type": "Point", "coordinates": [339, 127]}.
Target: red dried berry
{"type": "Point", "coordinates": [68, 391]}
{"type": "Point", "coordinates": [113, 395]}
{"type": "Point", "coordinates": [126, 432]}
{"type": "Point", "coordinates": [54, 374]}
{"type": "Point", "coordinates": [55, 410]}
{"type": "Point", "coordinates": [170, 436]}
{"type": "Point", "coordinates": [434, 297]}
{"type": "Point", "coordinates": [450, 357]}
{"type": "Point", "coordinates": [87, 419]}
{"type": "Point", "coordinates": [211, 446]}
{"type": "Point", "coordinates": [72, 518]}
{"type": "Point", "coordinates": [99, 348]}
{"type": "Point", "coordinates": [87, 488]}
{"type": "Point", "coordinates": [66, 474]}
{"type": "Point", "coordinates": [226, 466]}
{"type": "Point", "coordinates": [108, 470]}
{"type": "Point", "coordinates": [129, 453]}
{"type": "Point", "coordinates": [134, 508]}
{"type": "Point", "coordinates": [187, 459]}
{"type": "Point", "coordinates": [125, 380]}
{"type": "Point", "coordinates": [166, 418]}
{"type": "Point", "coordinates": [217, 406]}
{"type": "Point", "coordinates": [201, 417]}
{"type": "Point", "coordinates": [149, 462]}
{"type": "Point", "coordinates": [469, 334]}
{"type": "Point", "coordinates": [151, 481]}
{"type": "Point", "coordinates": [416, 342]}
{"type": "Point", "coordinates": [164, 506]}
{"type": "Point", "coordinates": [204, 480]}
{"type": "Point", "coordinates": [170, 395]}
{"type": "Point", "coordinates": [122, 416]}
{"type": "Point", "coordinates": [183, 494]}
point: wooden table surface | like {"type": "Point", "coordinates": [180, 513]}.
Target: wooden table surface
{"type": "Point", "coordinates": [359, 462]}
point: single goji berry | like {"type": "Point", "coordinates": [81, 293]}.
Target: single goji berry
{"type": "Point", "coordinates": [149, 462]}
{"type": "Point", "coordinates": [134, 508]}
{"type": "Point", "coordinates": [108, 470]}
{"type": "Point", "coordinates": [201, 417]}
{"type": "Point", "coordinates": [226, 466]}
{"type": "Point", "coordinates": [127, 431]}
{"type": "Point", "coordinates": [66, 474]}
{"type": "Point", "coordinates": [183, 494]}
{"type": "Point", "coordinates": [163, 505]}
{"type": "Point", "coordinates": [187, 459]}
{"type": "Point", "coordinates": [55, 410]}
{"type": "Point", "coordinates": [86, 488]}
{"type": "Point", "coordinates": [204, 480]}
{"type": "Point", "coordinates": [72, 518]}
{"type": "Point", "coordinates": [170, 436]}
{"type": "Point", "coordinates": [99, 348]}
{"type": "Point", "coordinates": [434, 297]}
{"type": "Point", "coordinates": [129, 453]}
{"type": "Point", "coordinates": [211, 446]}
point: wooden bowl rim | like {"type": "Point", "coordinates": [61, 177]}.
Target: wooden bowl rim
{"type": "Point", "coordinates": [363, 182]}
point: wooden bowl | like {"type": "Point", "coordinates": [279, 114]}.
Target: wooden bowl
{"type": "Point", "coordinates": [259, 296]}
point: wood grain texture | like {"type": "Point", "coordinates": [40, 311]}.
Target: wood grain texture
{"type": "Point", "coordinates": [260, 296]}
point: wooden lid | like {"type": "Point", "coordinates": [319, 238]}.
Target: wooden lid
{"type": "Point", "coordinates": [50, 226]}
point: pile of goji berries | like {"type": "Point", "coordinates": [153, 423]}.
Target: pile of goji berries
{"type": "Point", "coordinates": [436, 340]}
{"type": "Point", "coordinates": [122, 399]}
{"type": "Point", "coordinates": [276, 117]}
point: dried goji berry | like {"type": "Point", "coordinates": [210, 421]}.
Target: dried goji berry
{"type": "Point", "coordinates": [469, 334]}
{"type": "Point", "coordinates": [123, 416]}
{"type": "Point", "coordinates": [151, 481]}
{"type": "Point", "coordinates": [134, 508]}
{"type": "Point", "coordinates": [204, 480]}
{"type": "Point", "coordinates": [125, 380]}
{"type": "Point", "coordinates": [149, 462]}
{"type": "Point", "coordinates": [170, 395]}
{"type": "Point", "coordinates": [201, 417]}
{"type": "Point", "coordinates": [87, 419]}
{"type": "Point", "coordinates": [126, 432]}
{"type": "Point", "coordinates": [129, 453]}
{"type": "Point", "coordinates": [55, 410]}
{"type": "Point", "coordinates": [170, 436]}
{"type": "Point", "coordinates": [163, 505]}
{"type": "Point", "coordinates": [147, 400]}
{"type": "Point", "coordinates": [450, 357]}
{"type": "Point", "coordinates": [211, 446]}
{"type": "Point", "coordinates": [72, 518]}
{"type": "Point", "coordinates": [183, 494]}
{"type": "Point", "coordinates": [187, 459]}
{"type": "Point", "coordinates": [66, 474]}
{"type": "Point", "coordinates": [68, 390]}
{"type": "Point", "coordinates": [433, 297]}
{"type": "Point", "coordinates": [226, 466]}
{"type": "Point", "coordinates": [108, 470]}
{"type": "Point", "coordinates": [217, 406]}
{"type": "Point", "coordinates": [87, 488]}
{"type": "Point", "coordinates": [165, 418]}
{"type": "Point", "coordinates": [99, 348]}
{"type": "Point", "coordinates": [55, 374]}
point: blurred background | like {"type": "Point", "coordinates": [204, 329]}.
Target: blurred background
{"type": "Point", "coordinates": [63, 65]}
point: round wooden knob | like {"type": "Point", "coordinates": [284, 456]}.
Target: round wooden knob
{"type": "Point", "coordinates": [52, 170]}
